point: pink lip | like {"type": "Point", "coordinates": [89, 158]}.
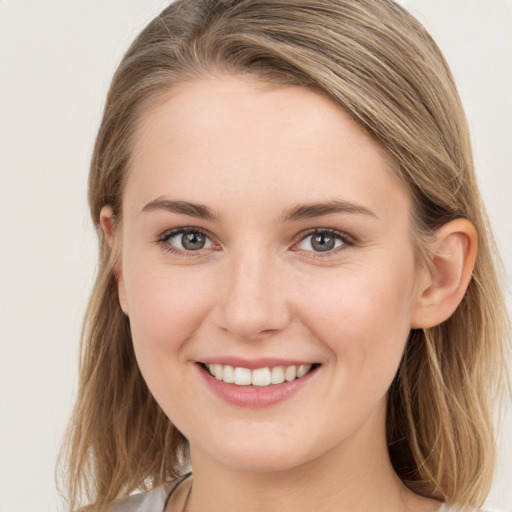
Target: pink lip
{"type": "Point", "coordinates": [254, 397]}
{"type": "Point", "coordinates": [251, 364]}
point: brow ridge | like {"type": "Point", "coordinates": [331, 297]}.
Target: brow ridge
{"type": "Point", "coordinates": [182, 207]}
{"type": "Point", "coordinates": [307, 211]}
{"type": "Point", "coordinates": [298, 212]}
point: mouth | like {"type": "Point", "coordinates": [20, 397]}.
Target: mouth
{"type": "Point", "coordinates": [267, 376]}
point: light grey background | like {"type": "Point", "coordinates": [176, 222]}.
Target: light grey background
{"type": "Point", "coordinates": [56, 61]}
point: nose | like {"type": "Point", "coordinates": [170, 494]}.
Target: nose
{"type": "Point", "coordinates": [252, 301]}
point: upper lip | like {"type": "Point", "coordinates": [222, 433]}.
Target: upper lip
{"type": "Point", "coordinates": [252, 364]}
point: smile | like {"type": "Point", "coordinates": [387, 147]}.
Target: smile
{"type": "Point", "coordinates": [260, 377]}
{"type": "Point", "coordinates": [256, 383]}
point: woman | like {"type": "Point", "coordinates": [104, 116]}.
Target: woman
{"type": "Point", "coordinates": [297, 292]}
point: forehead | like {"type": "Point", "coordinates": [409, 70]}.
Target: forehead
{"type": "Point", "coordinates": [224, 137]}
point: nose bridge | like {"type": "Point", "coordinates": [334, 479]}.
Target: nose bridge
{"type": "Point", "coordinates": [253, 302]}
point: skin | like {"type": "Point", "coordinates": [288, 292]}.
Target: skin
{"type": "Point", "coordinates": [251, 152]}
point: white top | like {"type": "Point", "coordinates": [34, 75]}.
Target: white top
{"type": "Point", "coordinates": [155, 501]}
{"type": "Point", "coordinates": [151, 501]}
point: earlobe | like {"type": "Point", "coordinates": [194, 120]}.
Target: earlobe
{"type": "Point", "coordinates": [452, 257]}
{"type": "Point", "coordinates": [107, 222]}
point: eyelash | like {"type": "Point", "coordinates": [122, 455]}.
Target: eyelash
{"type": "Point", "coordinates": [166, 236]}
{"type": "Point", "coordinates": [346, 240]}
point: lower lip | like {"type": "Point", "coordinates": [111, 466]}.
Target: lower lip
{"type": "Point", "coordinates": [255, 397]}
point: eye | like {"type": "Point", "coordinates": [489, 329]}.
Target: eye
{"type": "Point", "coordinates": [186, 240]}
{"type": "Point", "coordinates": [323, 241]}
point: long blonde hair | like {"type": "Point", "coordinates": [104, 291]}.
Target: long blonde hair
{"type": "Point", "coordinates": [379, 64]}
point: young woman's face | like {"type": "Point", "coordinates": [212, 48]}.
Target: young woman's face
{"type": "Point", "coordinates": [263, 232]}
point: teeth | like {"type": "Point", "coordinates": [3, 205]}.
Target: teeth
{"type": "Point", "coordinates": [302, 370]}
{"type": "Point", "coordinates": [277, 375]}
{"type": "Point", "coordinates": [228, 374]}
{"type": "Point", "coordinates": [290, 373]}
{"type": "Point", "coordinates": [242, 376]}
{"type": "Point", "coordinates": [260, 377]}
{"type": "Point", "coordinates": [218, 371]}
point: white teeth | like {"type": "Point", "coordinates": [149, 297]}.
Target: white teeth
{"type": "Point", "coordinates": [229, 374]}
{"type": "Point", "coordinates": [259, 376]}
{"type": "Point", "coordinates": [290, 373]}
{"type": "Point", "coordinates": [277, 375]}
{"type": "Point", "coordinates": [302, 370]}
{"type": "Point", "coordinates": [242, 376]}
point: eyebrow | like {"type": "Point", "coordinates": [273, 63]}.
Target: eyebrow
{"type": "Point", "coordinates": [309, 211]}
{"type": "Point", "coordinates": [184, 207]}
{"type": "Point", "coordinates": [298, 212]}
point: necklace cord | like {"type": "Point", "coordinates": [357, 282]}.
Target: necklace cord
{"type": "Point", "coordinates": [187, 499]}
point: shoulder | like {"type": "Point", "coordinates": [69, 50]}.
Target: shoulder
{"type": "Point", "coordinates": [454, 508]}
{"type": "Point", "coordinates": [150, 501]}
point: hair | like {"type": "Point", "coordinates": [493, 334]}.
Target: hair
{"type": "Point", "coordinates": [379, 64]}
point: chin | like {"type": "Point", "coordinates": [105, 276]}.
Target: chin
{"type": "Point", "coordinates": [256, 453]}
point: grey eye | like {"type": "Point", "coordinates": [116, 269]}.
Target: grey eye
{"type": "Point", "coordinates": [193, 241]}
{"type": "Point", "coordinates": [321, 242]}
{"type": "Point", "coordinates": [190, 241]}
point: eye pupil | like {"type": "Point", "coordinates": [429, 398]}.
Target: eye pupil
{"type": "Point", "coordinates": [193, 241]}
{"type": "Point", "coordinates": [323, 242]}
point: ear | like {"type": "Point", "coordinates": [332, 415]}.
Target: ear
{"type": "Point", "coordinates": [108, 226]}
{"type": "Point", "coordinates": [445, 279]}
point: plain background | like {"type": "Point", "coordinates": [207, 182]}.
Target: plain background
{"type": "Point", "coordinates": [56, 61]}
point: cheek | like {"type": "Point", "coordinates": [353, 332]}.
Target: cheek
{"type": "Point", "coordinates": [165, 307]}
{"type": "Point", "coordinates": [363, 315]}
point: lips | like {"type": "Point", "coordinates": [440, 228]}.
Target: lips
{"type": "Point", "coordinates": [256, 384]}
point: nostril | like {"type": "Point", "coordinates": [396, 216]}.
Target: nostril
{"type": "Point", "coordinates": [253, 322]}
